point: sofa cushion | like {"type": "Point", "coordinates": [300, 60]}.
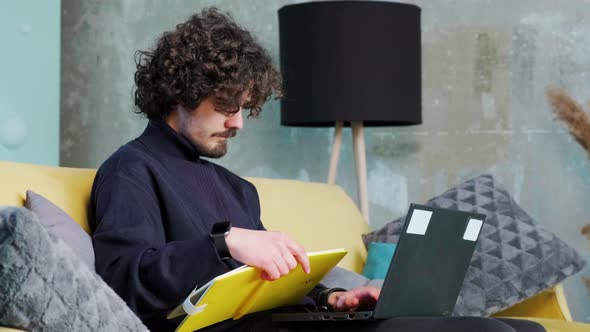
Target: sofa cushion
{"type": "Point", "coordinates": [514, 259]}
{"type": "Point", "coordinates": [46, 287]}
{"type": "Point", "coordinates": [62, 225]}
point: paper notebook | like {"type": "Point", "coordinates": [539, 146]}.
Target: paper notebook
{"type": "Point", "coordinates": [242, 291]}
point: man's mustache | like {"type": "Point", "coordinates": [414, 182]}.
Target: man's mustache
{"type": "Point", "coordinates": [227, 134]}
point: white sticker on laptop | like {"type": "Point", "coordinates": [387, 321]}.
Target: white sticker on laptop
{"type": "Point", "coordinates": [472, 230]}
{"type": "Point", "coordinates": [419, 222]}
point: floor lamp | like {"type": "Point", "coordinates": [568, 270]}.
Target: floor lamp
{"type": "Point", "coordinates": [350, 63]}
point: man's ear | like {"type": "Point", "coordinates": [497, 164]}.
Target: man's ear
{"type": "Point", "coordinates": [172, 118]}
{"type": "Point", "coordinates": [176, 107]}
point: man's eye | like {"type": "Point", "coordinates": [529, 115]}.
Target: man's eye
{"type": "Point", "coordinates": [228, 112]}
{"type": "Point", "coordinates": [231, 113]}
{"type": "Point", "coordinates": [225, 112]}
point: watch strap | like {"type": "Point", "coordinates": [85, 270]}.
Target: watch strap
{"type": "Point", "coordinates": [323, 298]}
{"type": "Point", "coordinates": [221, 247]}
{"type": "Point", "coordinates": [218, 233]}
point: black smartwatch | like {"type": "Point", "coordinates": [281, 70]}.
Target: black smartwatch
{"type": "Point", "coordinates": [218, 233]}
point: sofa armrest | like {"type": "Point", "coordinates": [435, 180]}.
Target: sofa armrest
{"type": "Point", "coordinates": [550, 303]}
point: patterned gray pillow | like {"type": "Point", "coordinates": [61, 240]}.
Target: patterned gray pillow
{"type": "Point", "coordinates": [514, 259]}
{"type": "Point", "coordinates": [45, 286]}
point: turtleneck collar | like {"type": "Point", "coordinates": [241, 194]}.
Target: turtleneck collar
{"type": "Point", "coordinates": [159, 136]}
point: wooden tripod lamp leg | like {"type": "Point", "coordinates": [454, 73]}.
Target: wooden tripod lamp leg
{"type": "Point", "coordinates": [335, 152]}
{"type": "Point", "coordinates": [358, 141]}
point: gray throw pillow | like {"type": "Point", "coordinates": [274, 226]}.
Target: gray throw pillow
{"type": "Point", "coordinates": [514, 259]}
{"type": "Point", "coordinates": [46, 287]}
{"type": "Point", "coordinates": [62, 225]}
{"type": "Point", "coordinates": [343, 278]}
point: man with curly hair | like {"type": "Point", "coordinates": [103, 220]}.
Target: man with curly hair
{"type": "Point", "coordinates": [156, 200]}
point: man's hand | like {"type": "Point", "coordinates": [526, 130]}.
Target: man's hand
{"type": "Point", "coordinates": [362, 297]}
{"type": "Point", "coordinates": [273, 252]}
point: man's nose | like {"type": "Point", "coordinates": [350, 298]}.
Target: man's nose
{"type": "Point", "coordinates": [235, 121]}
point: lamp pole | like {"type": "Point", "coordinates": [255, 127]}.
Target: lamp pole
{"type": "Point", "coordinates": [360, 162]}
{"type": "Point", "coordinates": [335, 152]}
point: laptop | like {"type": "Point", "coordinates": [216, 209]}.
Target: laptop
{"type": "Point", "coordinates": [426, 271]}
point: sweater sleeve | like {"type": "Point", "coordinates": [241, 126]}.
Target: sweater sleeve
{"type": "Point", "coordinates": [254, 204]}
{"type": "Point", "coordinates": [132, 254]}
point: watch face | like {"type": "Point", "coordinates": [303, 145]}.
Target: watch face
{"type": "Point", "coordinates": [220, 228]}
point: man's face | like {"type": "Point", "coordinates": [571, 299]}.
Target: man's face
{"type": "Point", "coordinates": [207, 128]}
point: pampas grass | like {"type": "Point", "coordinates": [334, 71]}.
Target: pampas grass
{"type": "Point", "coordinates": [567, 110]}
{"type": "Point", "coordinates": [578, 122]}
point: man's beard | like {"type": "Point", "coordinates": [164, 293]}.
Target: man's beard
{"type": "Point", "coordinates": [219, 150]}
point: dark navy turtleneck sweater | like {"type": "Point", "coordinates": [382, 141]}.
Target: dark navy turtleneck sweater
{"type": "Point", "coordinates": [152, 207]}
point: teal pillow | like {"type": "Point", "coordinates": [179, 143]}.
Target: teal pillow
{"type": "Point", "coordinates": [378, 260]}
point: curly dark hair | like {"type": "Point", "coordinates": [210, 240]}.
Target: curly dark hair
{"type": "Point", "coordinates": [209, 55]}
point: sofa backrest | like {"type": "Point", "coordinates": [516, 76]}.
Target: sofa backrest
{"type": "Point", "coordinates": [317, 215]}
{"type": "Point", "coordinates": [68, 188]}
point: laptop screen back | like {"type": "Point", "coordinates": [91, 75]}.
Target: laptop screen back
{"type": "Point", "coordinates": [429, 264]}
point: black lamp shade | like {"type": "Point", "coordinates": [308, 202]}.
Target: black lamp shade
{"type": "Point", "coordinates": [350, 61]}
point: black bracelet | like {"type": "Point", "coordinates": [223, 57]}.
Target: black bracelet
{"type": "Point", "coordinates": [323, 296]}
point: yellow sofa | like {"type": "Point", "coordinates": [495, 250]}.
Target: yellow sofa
{"type": "Point", "coordinates": [319, 216]}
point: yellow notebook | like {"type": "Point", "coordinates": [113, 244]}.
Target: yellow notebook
{"type": "Point", "coordinates": [242, 291]}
